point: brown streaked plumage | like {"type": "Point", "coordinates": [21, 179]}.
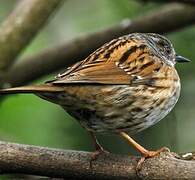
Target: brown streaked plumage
{"type": "Point", "coordinates": [127, 85]}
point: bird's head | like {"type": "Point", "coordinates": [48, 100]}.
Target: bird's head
{"type": "Point", "coordinates": [163, 48]}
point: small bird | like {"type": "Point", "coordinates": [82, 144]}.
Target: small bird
{"type": "Point", "coordinates": [125, 86]}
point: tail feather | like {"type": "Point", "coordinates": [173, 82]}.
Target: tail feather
{"type": "Point", "coordinates": [32, 89]}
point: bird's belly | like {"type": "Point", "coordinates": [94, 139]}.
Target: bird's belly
{"type": "Point", "coordinates": [124, 108]}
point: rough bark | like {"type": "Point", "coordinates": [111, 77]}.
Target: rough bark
{"type": "Point", "coordinates": [166, 19]}
{"type": "Point", "coordinates": [21, 26]}
{"type": "Point", "coordinates": [26, 159]}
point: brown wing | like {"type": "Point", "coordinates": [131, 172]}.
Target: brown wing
{"type": "Point", "coordinates": [122, 61]}
{"type": "Point", "coordinates": [104, 73]}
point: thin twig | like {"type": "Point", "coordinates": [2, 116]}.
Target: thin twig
{"type": "Point", "coordinates": [166, 19]}
{"type": "Point", "coordinates": [21, 26]}
{"type": "Point", "coordinates": [25, 159]}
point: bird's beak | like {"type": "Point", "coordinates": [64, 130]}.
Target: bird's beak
{"type": "Point", "coordinates": [181, 59]}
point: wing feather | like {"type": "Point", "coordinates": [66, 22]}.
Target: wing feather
{"type": "Point", "coordinates": [125, 62]}
{"type": "Point", "coordinates": [104, 74]}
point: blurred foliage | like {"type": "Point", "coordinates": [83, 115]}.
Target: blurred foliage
{"type": "Point", "coordinates": [28, 119]}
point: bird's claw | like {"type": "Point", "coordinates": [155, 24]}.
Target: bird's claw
{"type": "Point", "coordinates": [150, 154]}
{"type": "Point", "coordinates": [95, 154]}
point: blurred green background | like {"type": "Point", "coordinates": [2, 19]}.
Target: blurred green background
{"type": "Point", "coordinates": [31, 120]}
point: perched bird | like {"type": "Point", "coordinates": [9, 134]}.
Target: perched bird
{"type": "Point", "coordinates": [125, 86]}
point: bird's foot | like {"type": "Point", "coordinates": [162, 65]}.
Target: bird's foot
{"type": "Point", "coordinates": [150, 154]}
{"type": "Point", "coordinates": [145, 153]}
{"type": "Point", "coordinates": [96, 154]}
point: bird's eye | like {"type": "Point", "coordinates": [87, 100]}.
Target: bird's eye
{"type": "Point", "coordinates": [164, 46]}
{"type": "Point", "coordinates": [168, 51]}
{"type": "Point", "coordinates": [161, 43]}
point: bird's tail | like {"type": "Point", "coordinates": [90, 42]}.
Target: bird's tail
{"type": "Point", "coordinates": [32, 89]}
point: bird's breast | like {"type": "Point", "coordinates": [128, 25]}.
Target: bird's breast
{"type": "Point", "coordinates": [114, 108]}
{"type": "Point", "coordinates": [134, 108]}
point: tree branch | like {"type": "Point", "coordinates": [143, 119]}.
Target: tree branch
{"type": "Point", "coordinates": [25, 159]}
{"type": "Point", "coordinates": [21, 26]}
{"type": "Point", "coordinates": [169, 18]}
{"type": "Point", "coordinates": [168, 1]}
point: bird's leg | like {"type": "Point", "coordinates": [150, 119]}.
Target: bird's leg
{"type": "Point", "coordinates": [98, 148]}
{"type": "Point", "coordinates": [145, 153]}
{"type": "Point", "coordinates": [97, 145]}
